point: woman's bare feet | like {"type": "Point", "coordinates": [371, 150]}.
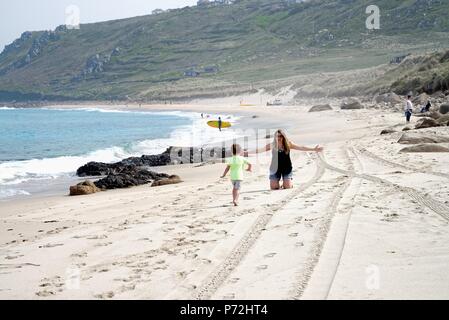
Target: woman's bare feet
{"type": "Point", "coordinates": [235, 204]}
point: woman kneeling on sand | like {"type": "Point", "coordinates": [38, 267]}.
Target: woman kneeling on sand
{"type": "Point", "coordinates": [281, 163]}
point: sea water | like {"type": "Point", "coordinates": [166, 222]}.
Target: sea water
{"type": "Point", "coordinates": [47, 144]}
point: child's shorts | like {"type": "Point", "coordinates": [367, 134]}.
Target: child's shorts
{"type": "Point", "coordinates": [237, 184]}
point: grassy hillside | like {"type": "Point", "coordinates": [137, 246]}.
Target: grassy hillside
{"type": "Point", "coordinates": [145, 58]}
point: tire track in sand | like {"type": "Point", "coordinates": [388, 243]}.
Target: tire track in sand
{"type": "Point", "coordinates": [427, 201]}
{"type": "Point", "coordinates": [222, 272]}
{"type": "Point", "coordinates": [305, 274]}
{"type": "Point", "coordinates": [386, 162]}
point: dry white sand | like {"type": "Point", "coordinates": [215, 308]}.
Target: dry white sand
{"type": "Point", "coordinates": [363, 222]}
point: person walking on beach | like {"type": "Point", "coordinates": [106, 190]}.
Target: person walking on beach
{"type": "Point", "coordinates": [281, 167]}
{"type": "Point", "coordinates": [408, 108]}
{"type": "Point", "coordinates": [236, 165]}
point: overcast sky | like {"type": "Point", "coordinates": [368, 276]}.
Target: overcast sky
{"type": "Point", "coordinates": [17, 16]}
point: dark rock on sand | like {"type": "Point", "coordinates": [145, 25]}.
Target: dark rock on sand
{"type": "Point", "coordinates": [387, 131]}
{"type": "Point", "coordinates": [351, 104]}
{"type": "Point", "coordinates": [426, 123]}
{"type": "Point", "coordinates": [95, 169]}
{"type": "Point", "coordinates": [443, 120]}
{"type": "Point", "coordinates": [434, 114]}
{"type": "Point", "coordinates": [172, 155]}
{"type": "Point", "coordinates": [321, 107]}
{"type": "Point", "coordinates": [444, 108]}
{"type": "Point", "coordinates": [170, 180]}
{"type": "Point", "coordinates": [421, 99]}
{"type": "Point", "coordinates": [416, 138]}
{"type": "Point", "coordinates": [425, 148]}
{"type": "Point", "coordinates": [130, 176]}
{"type": "Point", "coordinates": [391, 98]}
{"type": "Point", "coordinates": [84, 188]}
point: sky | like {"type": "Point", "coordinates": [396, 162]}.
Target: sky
{"type": "Point", "coordinates": [17, 16]}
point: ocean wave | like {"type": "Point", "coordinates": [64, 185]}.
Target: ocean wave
{"type": "Point", "coordinates": [8, 193]}
{"type": "Point", "coordinates": [197, 134]}
{"type": "Point", "coordinates": [6, 108]}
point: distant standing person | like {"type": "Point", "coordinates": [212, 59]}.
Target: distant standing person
{"type": "Point", "coordinates": [220, 123]}
{"type": "Point", "coordinates": [408, 108]}
{"type": "Point", "coordinates": [281, 164]}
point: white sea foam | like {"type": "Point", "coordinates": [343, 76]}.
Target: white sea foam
{"type": "Point", "coordinates": [8, 193]}
{"type": "Point", "coordinates": [196, 134]}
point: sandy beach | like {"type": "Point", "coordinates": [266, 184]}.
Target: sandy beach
{"type": "Point", "coordinates": [363, 221]}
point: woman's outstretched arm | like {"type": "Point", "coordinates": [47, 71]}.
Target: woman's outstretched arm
{"type": "Point", "coordinates": [260, 150]}
{"type": "Point", "coordinates": [306, 149]}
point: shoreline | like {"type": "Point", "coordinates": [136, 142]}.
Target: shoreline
{"type": "Point", "coordinates": [58, 186]}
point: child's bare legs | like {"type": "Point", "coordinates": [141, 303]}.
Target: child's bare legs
{"type": "Point", "coordinates": [236, 192]}
{"type": "Point", "coordinates": [235, 196]}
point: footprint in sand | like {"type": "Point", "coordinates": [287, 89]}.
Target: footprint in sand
{"type": "Point", "coordinates": [79, 255]}
{"type": "Point", "coordinates": [299, 244]}
{"type": "Point", "coordinates": [234, 280]}
{"type": "Point", "coordinates": [13, 257]}
{"type": "Point", "coordinates": [229, 296]}
{"type": "Point", "coordinates": [49, 245]}
{"type": "Point", "coordinates": [299, 220]}
{"type": "Point", "coordinates": [129, 287]}
{"type": "Point", "coordinates": [270, 255]}
{"type": "Point", "coordinates": [97, 237]}
{"type": "Point", "coordinates": [293, 235]}
{"type": "Point", "coordinates": [45, 293]}
{"type": "Point", "coordinates": [106, 295]}
{"type": "Point", "coordinates": [105, 244]}
{"type": "Point", "coordinates": [261, 268]}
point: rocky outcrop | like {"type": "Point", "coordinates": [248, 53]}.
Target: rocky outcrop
{"type": "Point", "coordinates": [172, 156]}
{"type": "Point", "coordinates": [37, 47]}
{"type": "Point", "coordinates": [390, 98]}
{"type": "Point", "coordinates": [416, 138]}
{"type": "Point", "coordinates": [420, 100]}
{"type": "Point", "coordinates": [35, 51]}
{"type": "Point", "coordinates": [427, 123]}
{"type": "Point", "coordinates": [17, 44]}
{"type": "Point", "coordinates": [444, 108]}
{"type": "Point", "coordinates": [130, 176]}
{"type": "Point", "coordinates": [425, 148]}
{"type": "Point", "coordinates": [319, 108]}
{"type": "Point", "coordinates": [443, 120]}
{"type": "Point", "coordinates": [96, 64]}
{"type": "Point", "coordinates": [351, 104]}
{"type": "Point", "coordinates": [84, 188]}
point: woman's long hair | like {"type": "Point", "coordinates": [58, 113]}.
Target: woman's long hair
{"type": "Point", "coordinates": [285, 142]}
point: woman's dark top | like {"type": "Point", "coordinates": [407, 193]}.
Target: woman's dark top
{"type": "Point", "coordinates": [281, 162]}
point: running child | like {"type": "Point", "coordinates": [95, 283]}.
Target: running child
{"type": "Point", "coordinates": [236, 165]}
